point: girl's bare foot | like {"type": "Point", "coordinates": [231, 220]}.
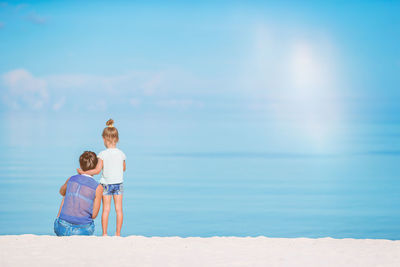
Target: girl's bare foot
{"type": "Point", "coordinates": [104, 234]}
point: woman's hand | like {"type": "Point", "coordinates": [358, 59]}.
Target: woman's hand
{"type": "Point", "coordinates": [63, 188]}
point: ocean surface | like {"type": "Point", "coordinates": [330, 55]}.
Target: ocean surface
{"type": "Point", "coordinates": [180, 181]}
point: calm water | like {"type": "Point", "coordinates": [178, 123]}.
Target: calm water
{"type": "Point", "coordinates": [204, 190]}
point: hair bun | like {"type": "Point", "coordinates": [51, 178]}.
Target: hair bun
{"type": "Point", "coordinates": [110, 123]}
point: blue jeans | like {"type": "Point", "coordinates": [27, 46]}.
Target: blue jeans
{"type": "Point", "coordinates": [113, 189]}
{"type": "Point", "coordinates": [64, 228]}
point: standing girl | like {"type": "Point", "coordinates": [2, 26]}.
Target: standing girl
{"type": "Point", "coordinates": [112, 162]}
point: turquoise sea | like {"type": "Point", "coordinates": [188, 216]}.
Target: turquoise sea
{"type": "Point", "coordinates": [238, 118]}
{"type": "Point", "coordinates": [187, 177]}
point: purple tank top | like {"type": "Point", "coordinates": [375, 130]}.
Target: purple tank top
{"type": "Point", "coordinates": [78, 201]}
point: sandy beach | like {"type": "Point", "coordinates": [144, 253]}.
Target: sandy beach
{"type": "Point", "coordinates": [32, 250]}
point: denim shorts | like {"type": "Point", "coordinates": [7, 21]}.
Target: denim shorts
{"type": "Point", "coordinates": [112, 189]}
{"type": "Point", "coordinates": [64, 228]}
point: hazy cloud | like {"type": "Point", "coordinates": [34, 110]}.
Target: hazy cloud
{"type": "Point", "coordinates": [180, 103]}
{"type": "Point", "coordinates": [127, 82]}
{"type": "Point", "coordinates": [36, 19]}
{"type": "Point", "coordinates": [151, 85]}
{"type": "Point", "coordinates": [99, 105]}
{"type": "Point", "coordinates": [59, 104]}
{"type": "Point", "coordinates": [22, 89]}
{"type": "Point", "coordinates": [21, 6]}
{"type": "Point", "coordinates": [134, 102]}
{"type": "Point", "coordinates": [98, 92]}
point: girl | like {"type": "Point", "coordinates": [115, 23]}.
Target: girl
{"type": "Point", "coordinates": [112, 162]}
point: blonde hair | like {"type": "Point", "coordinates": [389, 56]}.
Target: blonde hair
{"type": "Point", "coordinates": [110, 133]}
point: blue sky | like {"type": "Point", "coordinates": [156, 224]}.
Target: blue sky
{"type": "Point", "coordinates": [312, 70]}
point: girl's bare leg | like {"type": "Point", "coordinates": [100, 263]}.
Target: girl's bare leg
{"type": "Point", "coordinates": [118, 210]}
{"type": "Point", "coordinates": [106, 212]}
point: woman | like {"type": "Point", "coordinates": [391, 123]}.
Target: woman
{"type": "Point", "coordinates": [81, 202]}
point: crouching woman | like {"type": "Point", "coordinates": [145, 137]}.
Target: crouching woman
{"type": "Point", "coordinates": [81, 201]}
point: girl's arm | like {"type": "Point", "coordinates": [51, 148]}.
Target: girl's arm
{"type": "Point", "coordinates": [97, 201]}
{"type": "Point", "coordinates": [124, 166]}
{"type": "Point", "coordinates": [94, 171]}
{"type": "Point", "coordinates": [63, 188]}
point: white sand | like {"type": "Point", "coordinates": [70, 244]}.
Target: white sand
{"type": "Point", "coordinates": [31, 250]}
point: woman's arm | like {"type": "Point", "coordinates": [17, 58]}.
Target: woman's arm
{"type": "Point", "coordinates": [94, 171]}
{"type": "Point", "coordinates": [59, 211]}
{"type": "Point", "coordinates": [97, 201]}
{"type": "Point", "coordinates": [63, 188]}
{"type": "Point", "coordinates": [124, 166]}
